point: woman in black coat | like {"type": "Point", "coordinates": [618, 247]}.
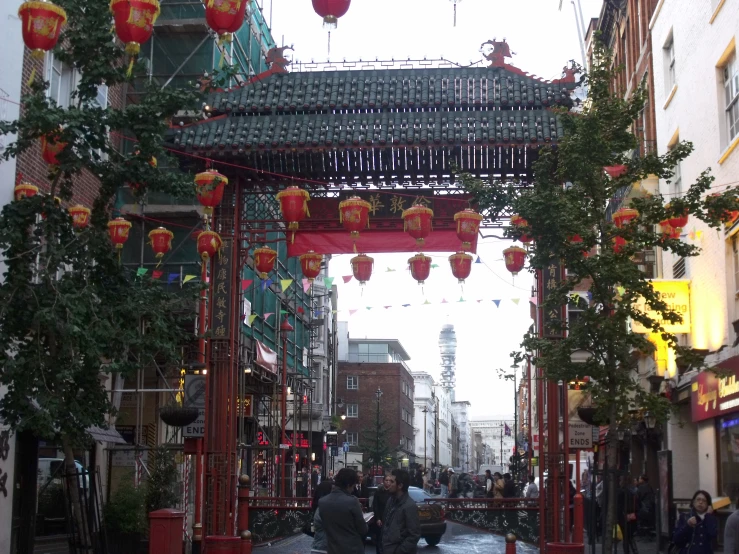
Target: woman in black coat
{"type": "Point", "coordinates": [696, 530]}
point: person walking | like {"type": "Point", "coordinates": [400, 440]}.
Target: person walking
{"type": "Point", "coordinates": [626, 517]}
{"type": "Point", "coordinates": [401, 528]}
{"type": "Point", "coordinates": [532, 491]}
{"type": "Point", "coordinates": [646, 499]}
{"type": "Point", "coordinates": [453, 483]}
{"type": "Point", "coordinates": [696, 530]}
{"type": "Point", "coordinates": [509, 487]}
{"type": "Point", "coordinates": [444, 483]}
{"type": "Point", "coordinates": [498, 485]}
{"type": "Point", "coordinates": [341, 516]}
{"type": "Point", "coordinates": [379, 504]}
{"type": "Point", "coordinates": [489, 486]}
{"type": "Point", "coordinates": [731, 531]}
{"type": "Point", "coordinates": [320, 543]}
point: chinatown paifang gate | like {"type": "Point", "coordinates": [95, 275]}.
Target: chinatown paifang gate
{"type": "Point", "coordinates": [371, 145]}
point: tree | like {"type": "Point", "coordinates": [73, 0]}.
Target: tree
{"type": "Point", "coordinates": [70, 312]}
{"type": "Point", "coordinates": [571, 199]}
{"type": "Point", "coordinates": [378, 450]}
{"type": "Point", "coordinates": [160, 486]}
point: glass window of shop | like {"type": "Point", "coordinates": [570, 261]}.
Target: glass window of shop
{"type": "Point", "coordinates": [727, 430]}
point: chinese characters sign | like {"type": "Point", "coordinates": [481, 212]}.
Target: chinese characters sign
{"type": "Point", "coordinates": [220, 313]}
{"type": "Point", "coordinates": [551, 279]}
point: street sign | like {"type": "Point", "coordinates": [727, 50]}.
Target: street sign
{"type": "Point", "coordinates": [346, 447]}
{"type": "Point", "coordinates": [332, 438]}
{"type": "Point", "coordinates": [334, 450]}
{"type": "Point", "coordinates": [284, 447]}
{"type": "Point", "coordinates": [195, 397]}
{"type": "Point", "coordinates": [581, 435]}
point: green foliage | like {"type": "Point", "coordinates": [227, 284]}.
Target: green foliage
{"type": "Point", "coordinates": [162, 483]}
{"type": "Point", "coordinates": [376, 446]}
{"type": "Point", "coordinates": [125, 513]}
{"type": "Point", "coordinates": [70, 312]}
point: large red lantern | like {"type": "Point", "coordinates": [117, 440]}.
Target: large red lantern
{"type": "Point", "coordinates": [293, 205]}
{"type": "Point", "coordinates": [417, 222]}
{"type": "Point", "coordinates": [264, 261]}
{"type": "Point", "coordinates": [678, 221]}
{"type": "Point", "coordinates": [670, 231]}
{"type": "Point", "coordinates": [209, 189]}
{"type": "Point", "coordinates": [42, 23]}
{"type": "Point", "coordinates": [225, 16]}
{"type": "Point", "coordinates": [518, 222]}
{"type": "Point", "coordinates": [118, 231]}
{"type": "Point", "coordinates": [80, 216]}
{"type": "Point", "coordinates": [310, 264]}
{"type": "Point", "coordinates": [50, 149]}
{"type": "Point", "coordinates": [515, 258]}
{"type": "Point", "coordinates": [354, 214]}
{"type": "Point", "coordinates": [624, 216]}
{"type": "Point", "coordinates": [461, 265]}
{"type": "Point", "coordinates": [331, 11]}
{"type": "Point", "coordinates": [25, 190]}
{"type": "Point", "coordinates": [618, 244]}
{"type": "Point", "coordinates": [161, 241]}
{"type": "Point", "coordinates": [615, 171]}
{"type": "Point", "coordinates": [362, 268]}
{"type": "Point", "coordinates": [468, 224]}
{"type": "Point", "coordinates": [420, 266]}
{"type": "Point", "coordinates": [134, 23]}
{"type": "Point", "coordinates": [209, 244]}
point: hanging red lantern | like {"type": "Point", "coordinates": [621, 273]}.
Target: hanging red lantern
{"type": "Point", "coordinates": [25, 190]}
{"type": "Point", "coordinates": [461, 265]}
{"type": "Point", "coordinates": [417, 222]}
{"type": "Point", "coordinates": [209, 189]}
{"type": "Point", "coordinates": [310, 264]}
{"type": "Point", "coordinates": [118, 231]}
{"type": "Point", "coordinates": [362, 268]}
{"type": "Point", "coordinates": [678, 221]}
{"type": "Point", "coordinates": [518, 222]}
{"type": "Point", "coordinates": [354, 214]}
{"type": "Point", "coordinates": [331, 11]}
{"type": "Point", "coordinates": [80, 216]}
{"type": "Point", "coordinates": [618, 244]}
{"type": "Point", "coordinates": [515, 258]}
{"type": "Point", "coordinates": [468, 225]}
{"type": "Point", "coordinates": [209, 244]}
{"type": "Point", "coordinates": [134, 23]}
{"type": "Point", "coordinates": [225, 16]}
{"type": "Point", "coordinates": [50, 149]}
{"type": "Point", "coordinates": [264, 261]}
{"type": "Point", "coordinates": [615, 171]}
{"type": "Point", "coordinates": [670, 231]}
{"type": "Point", "coordinates": [624, 216]}
{"type": "Point", "coordinates": [293, 205]}
{"type": "Point", "coordinates": [420, 266]}
{"type": "Point", "coordinates": [42, 23]}
{"type": "Point", "coordinates": [161, 241]}
{"type": "Point", "coordinates": [577, 240]}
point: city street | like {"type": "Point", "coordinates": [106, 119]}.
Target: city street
{"type": "Point", "coordinates": [458, 539]}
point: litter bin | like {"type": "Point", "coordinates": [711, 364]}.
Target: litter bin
{"type": "Point", "coordinates": [222, 545]}
{"type": "Point", "coordinates": [565, 548]}
{"type": "Point", "coordinates": [165, 531]}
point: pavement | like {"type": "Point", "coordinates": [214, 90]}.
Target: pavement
{"type": "Point", "coordinates": [644, 545]}
{"type": "Point", "coordinates": [458, 539]}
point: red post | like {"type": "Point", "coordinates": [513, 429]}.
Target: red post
{"type": "Point", "coordinates": [566, 440]}
{"type": "Point", "coordinates": [510, 543]}
{"type": "Point", "coordinates": [577, 533]}
{"type": "Point", "coordinates": [243, 515]}
{"type": "Point", "coordinates": [197, 524]}
{"type": "Point", "coordinates": [285, 328]}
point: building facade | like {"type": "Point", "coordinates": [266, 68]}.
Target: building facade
{"type": "Point", "coordinates": [494, 433]}
{"type": "Point", "coordinates": [461, 415]}
{"type": "Point", "coordinates": [426, 419]}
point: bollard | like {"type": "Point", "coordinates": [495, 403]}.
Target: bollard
{"type": "Point", "coordinates": [243, 515]}
{"type": "Point", "coordinates": [245, 542]}
{"type": "Point", "coordinates": [577, 533]}
{"type": "Point", "coordinates": [510, 543]}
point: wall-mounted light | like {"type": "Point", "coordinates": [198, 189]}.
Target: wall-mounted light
{"type": "Point", "coordinates": [289, 391]}
{"type": "Point", "coordinates": [312, 456]}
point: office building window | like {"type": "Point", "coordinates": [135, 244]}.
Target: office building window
{"type": "Point", "coordinates": [61, 80]}
{"type": "Point", "coordinates": [352, 382]}
{"type": "Point", "coordinates": [352, 437]}
{"type": "Point", "coordinates": [352, 410]}
{"type": "Point", "coordinates": [669, 60]}
{"type": "Point", "coordinates": [731, 94]}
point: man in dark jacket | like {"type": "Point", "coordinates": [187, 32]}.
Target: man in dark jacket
{"type": "Point", "coordinates": [509, 487]}
{"type": "Point", "coordinates": [401, 528]}
{"type": "Point", "coordinates": [379, 503]}
{"type": "Point", "coordinates": [341, 516]}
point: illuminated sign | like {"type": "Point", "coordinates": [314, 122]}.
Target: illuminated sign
{"type": "Point", "coordinates": [676, 294]}
{"type": "Point", "coordinates": [711, 395]}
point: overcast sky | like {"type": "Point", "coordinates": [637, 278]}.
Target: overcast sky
{"type": "Point", "coordinates": [544, 39]}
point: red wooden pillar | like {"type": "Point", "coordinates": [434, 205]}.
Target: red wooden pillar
{"type": "Point", "coordinates": [577, 534]}
{"type": "Point", "coordinates": [243, 515]}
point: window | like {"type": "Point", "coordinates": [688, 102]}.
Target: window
{"type": "Point", "coordinates": [407, 417]}
{"type": "Point", "coordinates": [669, 56]}
{"type": "Point", "coordinates": [679, 268]}
{"type": "Point", "coordinates": [352, 437]}
{"type": "Point", "coordinates": [61, 79]}
{"type": "Point", "coordinates": [727, 433]}
{"type": "Point", "coordinates": [352, 410]}
{"type": "Point", "coordinates": [731, 94]}
{"type": "Point", "coordinates": [352, 382]}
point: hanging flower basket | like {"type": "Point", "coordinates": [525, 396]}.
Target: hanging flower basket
{"type": "Point", "coordinates": [178, 416]}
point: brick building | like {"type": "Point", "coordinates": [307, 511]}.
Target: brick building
{"type": "Point", "coordinates": [366, 365]}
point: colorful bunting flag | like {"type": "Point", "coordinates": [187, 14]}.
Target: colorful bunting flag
{"type": "Point", "coordinates": [301, 310]}
{"type": "Point", "coordinates": [427, 302]}
{"type": "Point", "coordinates": [140, 272]}
{"type": "Point", "coordinates": [478, 260]}
{"type": "Point", "coordinates": [389, 270]}
{"type": "Point", "coordinates": [268, 314]}
{"type": "Point", "coordinates": [352, 312]}
{"type": "Point", "coordinates": [406, 305]}
{"type": "Point", "coordinates": [285, 283]}
{"type": "Point", "coordinates": [386, 307]}
{"type": "Point", "coordinates": [328, 282]}
{"type": "Point", "coordinates": [369, 307]}
{"type": "Point", "coordinates": [306, 285]}
{"type": "Point", "coordinates": [347, 278]}
{"type": "Point", "coordinates": [188, 278]}
{"type": "Point", "coordinates": [246, 283]}
{"type": "Point", "coordinates": [515, 300]}
{"type": "Point", "coordinates": [252, 318]}
{"type": "Point", "coordinates": [434, 266]}
{"type": "Point", "coordinates": [171, 277]}
{"type": "Point", "coordinates": [497, 303]}
{"type": "Point", "coordinates": [283, 312]}
{"type": "Point", "coordinates": [461, 299]}
{"type": "Point", "coordinates": [265, 284]}
{"type": "Point", "coordinates": [443, 301]}
{"type": "Point", "coordinates": [156, 274]}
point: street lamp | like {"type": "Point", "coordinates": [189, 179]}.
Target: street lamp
{"type": "Point", "coordinates": [512, 377]}
{"type": "Point", "coordinates": [425, 411]}
{"type": "Point", "coordinates": [650, 420]}
{"type": "Point", "coordinates": [285, 328]}
{"type": "Point", "coordinates": [378, 394]}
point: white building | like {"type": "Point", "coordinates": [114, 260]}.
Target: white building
{"type": "Point", "coordinates": [424, 418]}
{"type": "Point", "coordinates": [696, 78]}
{"type": "Point", "coordinates": [461, 414]}
{"type": "Point", "coordinates": [493, 432]}
{"type": "Point", "coordinates": [444, 429]}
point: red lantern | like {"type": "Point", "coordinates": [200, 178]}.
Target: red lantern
{"type": "Point", "coordinates": [461, 265]}
{"type": "Point", "coordinates": [678, 221]}
{"type": "Point", "coordinates": [50, 149]}
{"type": "Point", "coordinates": [515, 258]}
{"type": "Point", "coordinates": [264, 261]}
{"type": "Point", "coordinates": [468, 224]}
{"type": "Point", "coordinates": [310, 263]}
{"type": "Point", "coordinates": [420, 266]}
{"type": "Point", "coordinates": [518, 222]}
{"type": "Point", "coordinates": [293, 205]}
{"type": "Point", "coordinates": [118, 231]}
{"type": "Point", "coordinates": [615, 171]}
{"type": "Point", "coordinates": [161, 241]}
{"type": "Point", "coordinates": [209, 189]}
{"type": "Point", "coordinates": [577, 240]}
{"type": "Point", "coordinates": [354, 214]}
{"type": "Point", "coordinates": [80, 216]}
{"type": "Point", "coordinates": [225, 16]}
{"type": "Point", "coordinates": [42, 23]}
{"type": "Point", "coordinates": [670, 231]}
{"type": "Point", "coordinates": [417, 222]}
{"type": "Point", "coordinates": [618, 244]}
{"type": "Point", "coordinates": [624, 216]}
{"type": "Point", "coordinates": [362, 268]}
{"type": "Point", "coordinates": [134, 23]}
{"type": "Point", "coordinates": [209, 244]}
{"type": "Point", "coordinates": [331, 11]}
{"type": "Point", "coordinates": [25, 190]}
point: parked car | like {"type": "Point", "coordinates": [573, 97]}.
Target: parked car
{"type": "Point", "coordinates": [430, 515]}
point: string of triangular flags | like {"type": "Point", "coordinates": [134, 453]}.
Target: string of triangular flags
{"type": "Point", "coordinates": [157, 274]}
